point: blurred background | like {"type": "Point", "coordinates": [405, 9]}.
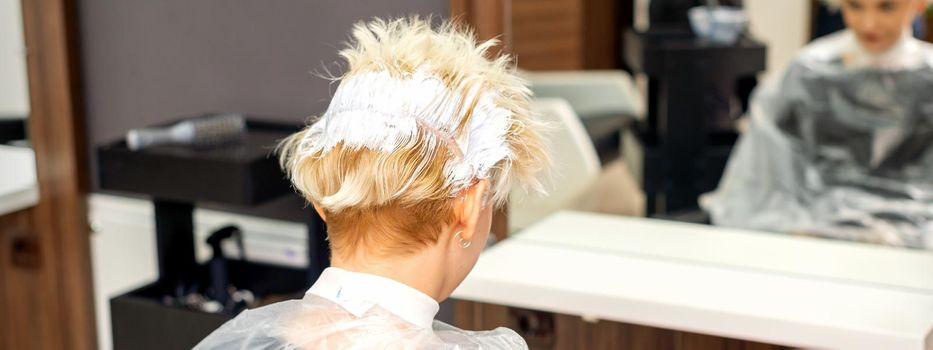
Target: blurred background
{"type": "Point", "coordinates": [105, 246]}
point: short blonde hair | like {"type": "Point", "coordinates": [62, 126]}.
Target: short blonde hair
{"type": "Point", "coordinates": [397, 201]}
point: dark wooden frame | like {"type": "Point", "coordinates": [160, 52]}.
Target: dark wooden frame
{"type": "Point", "coordinates": [45, 262]}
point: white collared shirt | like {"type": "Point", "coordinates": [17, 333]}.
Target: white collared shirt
{"type": "Point", "coordinates": [359, 292]}
{"type": "Point", "coordinates": [353, 311]}
{"type": "Point", "coordinates": [904, 54]}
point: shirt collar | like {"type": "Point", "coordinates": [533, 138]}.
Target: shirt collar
{"type": "Point", "coordinates": [358, 292]}
{"type": "Point", "coordinates": [904, 54]}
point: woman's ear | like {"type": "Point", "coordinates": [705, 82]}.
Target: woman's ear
{"type": "Point", "coordinates": [320, 212]}
{"type": "Point", "coordinates": [469, 207]}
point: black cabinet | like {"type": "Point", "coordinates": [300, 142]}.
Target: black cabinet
{"type": "Point", "coordinates": [177, 178]}
{"type": "Point", "coordinates": [695, 90]}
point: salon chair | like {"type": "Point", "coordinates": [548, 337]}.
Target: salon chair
{"type": "Point", "coordinates": [578, 181]}
{"type": "Point", "coordinates": [606, 102]}
{"type": "Point", "coordinates": [576, 166]}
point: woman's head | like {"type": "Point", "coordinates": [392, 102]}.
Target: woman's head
{"type": "Point", "coordinates": [879, 24]}
{"type": "Point", "coordinates": [423, 136]}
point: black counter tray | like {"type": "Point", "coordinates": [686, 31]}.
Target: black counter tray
{"type": "Point", "coordinates": [246, 173]}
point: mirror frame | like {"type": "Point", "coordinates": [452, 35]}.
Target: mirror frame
{"type": "Point", "coordinates": [45, 261]}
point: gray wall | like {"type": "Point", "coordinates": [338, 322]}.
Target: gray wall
{"type": "Point", "coordinates": [151, 61]}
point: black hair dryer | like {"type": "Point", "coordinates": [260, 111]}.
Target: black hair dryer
{"type": "Point", "coordinates": [220, 278]}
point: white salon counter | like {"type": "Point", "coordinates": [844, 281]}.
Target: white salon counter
{"type": "Point", "coordinates": [18, 188]}
{"type": "Point", "coordinates": [771, 288]}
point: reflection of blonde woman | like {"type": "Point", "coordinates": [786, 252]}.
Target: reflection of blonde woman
{"type": "Point", "coordinates": [423, 137]}
{"type": "Point", "coordinates": [841, 144]}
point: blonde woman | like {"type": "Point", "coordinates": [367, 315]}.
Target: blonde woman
{"type": "Point", "coordinates": [423, 138]}
{"type": "Point", "coordinates": [841, 145]}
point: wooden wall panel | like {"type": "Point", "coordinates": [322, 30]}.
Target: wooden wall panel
{"type": "Point", "coordinates": [45, 274]}
{"type": "Point", "coordinates": [548, 34]}
{"type": "Point", "coordinates": [18, 323]}
{"type": "Point", "coordinates": [550, 331]}
{"type": "Point", "coordinates": [603, 23]}
{"type": "Point", "coordinates": [486, 17]}
{"type": "Point", "coordinates": [551, 34]}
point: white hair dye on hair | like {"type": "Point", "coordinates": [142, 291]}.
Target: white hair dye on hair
{"type": "Point", "coordinates": [379, 111]}
{"type": "Point", "coordinates": [436, 110]}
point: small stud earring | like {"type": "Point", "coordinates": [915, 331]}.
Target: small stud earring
{"type": "Point", "coordinates": [463, 243]}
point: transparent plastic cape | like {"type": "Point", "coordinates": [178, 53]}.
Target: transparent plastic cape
{"type": "Point", "coordinates": [838, 147]}
{"type": "Point", "coordinates": [317, 323]}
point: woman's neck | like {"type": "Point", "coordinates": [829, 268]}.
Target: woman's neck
{"type": "Point", "coordinates": [423, 270]}
{"type": "Point", "coordinates": [899, 55]}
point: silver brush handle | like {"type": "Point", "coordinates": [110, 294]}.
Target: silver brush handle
{"type": "Point", "coordinates": [200, 132]}
{"type": "Point", "coordinates": [138, 139]}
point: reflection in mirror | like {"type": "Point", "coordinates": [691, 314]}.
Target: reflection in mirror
{"type": "Point", "coordinates": [874, 174]}
{"type": "Point", "coordinates": [17, 160]}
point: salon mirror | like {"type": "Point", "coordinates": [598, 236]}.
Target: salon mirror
{"type": "Point", "coordinates": [669, 160]}
{"type": "Point", "coordinates": [18, 189]}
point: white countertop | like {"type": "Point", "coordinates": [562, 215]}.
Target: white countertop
{"type": "Point", "coordinates": [18, 188]}
{"type": "Point", "coordinates": [796, 291]}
